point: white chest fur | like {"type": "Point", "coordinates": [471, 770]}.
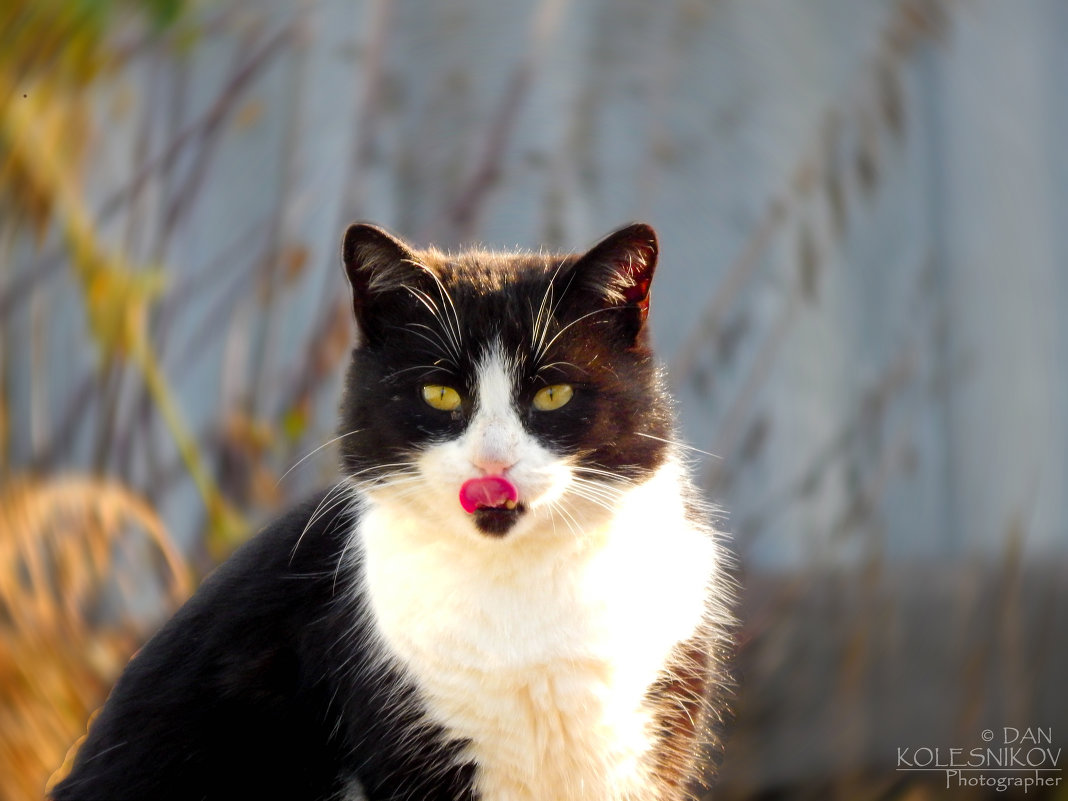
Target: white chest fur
{"type": "Point", "coordinates": [539, 650]}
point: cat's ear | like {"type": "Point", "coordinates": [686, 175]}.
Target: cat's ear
{"type": "Point", "coordinates": [377, 265]}
{"type": "Point", "coordinates": [618, 271]}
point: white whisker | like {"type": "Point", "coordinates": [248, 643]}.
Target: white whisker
{"type": "Point", "coordinates": [446, 326]}
{"type": "Point", "coordinates": [569, 519]}
{"type": "Point", "coordinates": [340, 561]}
{"type": "Point", "coordinates": [546, 312]}
{"type": "Point", "coordinates": [593, 494]}
{"type": "Point", "coordinates": [312, 453]}
{"type": "Point", "coordinates": [392, 483]}
{"type": "Point", "coordinates": [600, 502]}
{"type": "Point", "coordinates": [440, 346]}
{"type": "Point", "coordinates": [449, 317]}
{"type": "Point", "coordinates": [616, 477]}
{"type": "Point", "coordinates": [371, 468]}
{"type": "Point", "coordinates": [329, 500]}
{"type": "Point", "coordinates": [677, 444]}
{"type": "Point", "coordinates": [545, 348]}
{"type": "Point", "coordinates": [426, 368]}
{"type": "Point", "coordinates": [559, 366]}
{"type": "Point", "coordinates": [605, 478]}
{"type": "Point", "coordinates": [552, 517]}
{"type": "Point", "coordinates": [599, 487]}
{"type": "Point", "coordinates": [541, 321]}
{"type": "Point", "coordinates": [447, 298]}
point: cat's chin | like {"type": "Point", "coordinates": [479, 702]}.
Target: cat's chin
{"type": "Point", "coordinates": [499, 521]}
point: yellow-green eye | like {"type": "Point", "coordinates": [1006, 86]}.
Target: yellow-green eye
{"type": "Point", "coordinates": [441, 397]}
{"type": "Point", "coordinates": [550, 398]}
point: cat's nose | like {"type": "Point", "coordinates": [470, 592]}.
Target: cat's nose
{"type": "Point", "coordinates": [493, 456]}
{"type": "Point", "coordinates": [493, 446]}
{"type": "Point", "coordinates": [493, 466]}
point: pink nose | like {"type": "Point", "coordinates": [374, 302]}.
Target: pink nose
{"type": "Point", "coordinates": [492, 467]}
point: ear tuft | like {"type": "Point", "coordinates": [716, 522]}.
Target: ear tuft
{"type": "Point", "coordinates": [373, 258]}
{"type": "Point", "coordinates": [376, 264]}
{"type": "Point", "coordinates": [620, 267]}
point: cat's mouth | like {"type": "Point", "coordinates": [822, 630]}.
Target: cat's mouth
{"type": "Point", "coordinates": [494, 502]}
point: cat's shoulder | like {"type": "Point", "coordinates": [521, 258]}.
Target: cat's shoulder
{"type": "Point", "coordinates": [285, 575]}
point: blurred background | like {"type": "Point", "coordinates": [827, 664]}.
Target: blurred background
{"type": "Point", "coordinates": [863, 212]}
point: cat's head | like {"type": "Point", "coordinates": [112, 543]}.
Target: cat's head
{"type": "Point", "coordinates": [531, 371]}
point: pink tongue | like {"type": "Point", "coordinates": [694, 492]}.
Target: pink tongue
{"type": "Point", "coordinates": [490, 492]}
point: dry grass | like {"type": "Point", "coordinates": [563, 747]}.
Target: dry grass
{"type": "Point", "coordinates": [73, 559]}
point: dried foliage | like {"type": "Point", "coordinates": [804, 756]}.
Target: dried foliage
{"type": "Point", "coordinates": [49, 51]}
{"type": "Point", "coordinates": [43, 136]}
{"type": "Point", "coordinates": [77, 556]}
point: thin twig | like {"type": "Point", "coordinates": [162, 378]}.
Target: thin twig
{"type": "Point", "coordinates": [279, 233]}
{"type": "Point", "coordinates": [742, 404]}
{"type": "Point", "coordinates": [463, 215]}
{"type": "Point", "coordinates": [909, 24]}
{"type": "Point", "coordinates": [724, 296]}
{"type": "Point", "coordinates": [55, 258]}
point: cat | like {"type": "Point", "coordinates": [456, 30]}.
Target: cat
{"type": "Point", "coordinates": [513, 593]}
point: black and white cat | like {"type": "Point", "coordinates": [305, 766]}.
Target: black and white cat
{"type": "Point", "coordinates": [513, 594]}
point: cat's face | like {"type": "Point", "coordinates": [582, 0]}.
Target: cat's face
{"type": "Point", "coordinates": [501, 393]}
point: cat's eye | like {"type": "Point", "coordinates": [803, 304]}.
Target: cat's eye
{"type": "Point", "coordinates": [550, 398]}
{"type": "Point", "coordinates": [441, 397]}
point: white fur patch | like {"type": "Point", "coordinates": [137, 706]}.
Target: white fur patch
{"type": "Point", "coordinates": [537, 647]}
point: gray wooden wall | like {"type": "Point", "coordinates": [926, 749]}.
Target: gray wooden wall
{"type": "Point", "coordinates": [862, 209]}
